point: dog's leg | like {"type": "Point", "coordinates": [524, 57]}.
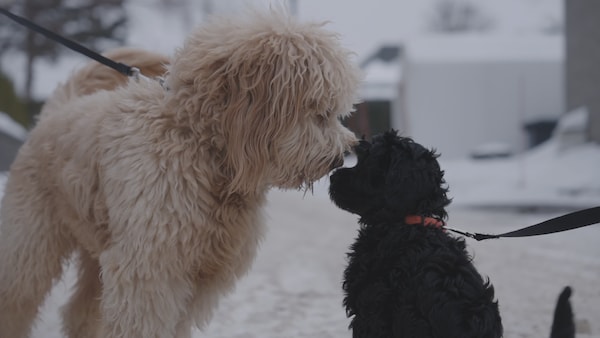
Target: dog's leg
{"type": "Point", "coordinates": [200, 310]}
{"type": "Point", "coordinates": [32, 252]}
{"type": "Point", "coordinates": [81, 316]}
{"type": "Point", "coordinates": [145, 293]}
{"type": "Point", "coordinates": [184, 329]}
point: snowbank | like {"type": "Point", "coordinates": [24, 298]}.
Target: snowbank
{"type": "Point", "coordinates": [561, 173]}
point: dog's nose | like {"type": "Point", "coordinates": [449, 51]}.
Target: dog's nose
{"type": "Point", "coordinates": [338, 162]}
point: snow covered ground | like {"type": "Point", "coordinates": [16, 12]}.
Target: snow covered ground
{"type": "Point", "coordinates": [294, 288]}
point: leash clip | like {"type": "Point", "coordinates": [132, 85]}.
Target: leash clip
{"type": "Point", "coordinates": [136, 74]}
{"type": "Point", "coordinates": [475, 236]}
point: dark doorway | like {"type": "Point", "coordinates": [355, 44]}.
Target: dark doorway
{"type": "Point", "coordinates": [370, 118]}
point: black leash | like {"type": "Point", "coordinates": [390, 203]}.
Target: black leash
{"type": "Point", "coordinates": [119, 67]}
{"type": "Point", "coordinates": [566, 222]}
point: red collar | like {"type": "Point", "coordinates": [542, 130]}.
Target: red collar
{"type": "Point", "coordinates": [425, 221]}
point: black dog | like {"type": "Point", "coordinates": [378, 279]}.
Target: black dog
{"type": "Point", "coordinates": [406, 276]}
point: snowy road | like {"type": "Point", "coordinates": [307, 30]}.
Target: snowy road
{"type": "Point", "coordinates": [294, 289]}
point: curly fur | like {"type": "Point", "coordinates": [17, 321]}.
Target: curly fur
{"type": "Point", "coordinates": [159, 193]}
{"type": "Point", "coordinates": [406, 280]}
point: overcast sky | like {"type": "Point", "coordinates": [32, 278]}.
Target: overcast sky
{"type": "Point", "coordinates": [365, 25]}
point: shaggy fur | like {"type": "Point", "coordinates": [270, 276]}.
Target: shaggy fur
{"type": "Point", "coordinates": [407, 280]}
{"type": "Point", "coordinates": [159, 193]}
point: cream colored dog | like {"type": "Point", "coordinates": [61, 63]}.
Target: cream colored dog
{"type": "Point", "coordinates": [160, 192]}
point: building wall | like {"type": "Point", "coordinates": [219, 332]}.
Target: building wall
{"type": "Point", "coordinates": [583, 60]}
{"type": "Point", "coordinates": [458, 106]}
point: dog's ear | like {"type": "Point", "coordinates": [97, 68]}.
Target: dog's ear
{"type": "Point", "coordinates": [223, 88]}
{"type": "Point", "coordinates": [262, 103]}
{"type": "Point", "coordinates": [262, 90]}
{"type": "Point", "coordinates": [280, 90]}
{"type": "Point", "coordinates": [414, 183]}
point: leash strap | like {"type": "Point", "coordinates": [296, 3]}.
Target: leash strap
{"type": "Point", "coordinates": [574, 220]}
{"type": "Point", "coordinates": [120, 67]}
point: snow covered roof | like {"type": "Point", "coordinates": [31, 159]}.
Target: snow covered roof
{"type": "Point", "coordinates": [574, 121]}
{"type": "Point", "coordinates": [382, 74]}
{"type": "Point", "coordinates": [381, 80]}
{"type": "Point", "coordinates": [8, 126]}
{"type": "Point", "coordinates": [485, 48]}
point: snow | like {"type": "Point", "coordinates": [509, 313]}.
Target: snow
{"type": "Point", "coordinates": [491, 149]}
{"type": "Point", "coordinates": [575, 121]}
{"type": "Point", "coordinates": [381, 80]}
{"type": "Point", "coordinates": [379, 71]}
{"type": "Point", "coordinates": [568, 181]}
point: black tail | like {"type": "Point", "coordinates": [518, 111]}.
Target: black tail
{"type": "Point", "coordinates": [563, 325]}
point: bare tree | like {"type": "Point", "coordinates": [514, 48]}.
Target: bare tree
{"type": "Point", "coordinates": [451, 16]}
{"type": "Point", "coordinates": [93, 23]}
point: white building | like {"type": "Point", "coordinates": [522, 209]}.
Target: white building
{"type": "Point", "coordinates": [457, 93]}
